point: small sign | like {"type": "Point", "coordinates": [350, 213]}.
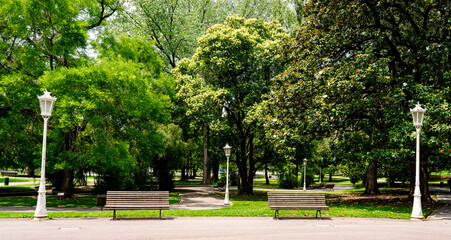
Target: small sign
{"type": "Point", "coordinates": [61, 195]}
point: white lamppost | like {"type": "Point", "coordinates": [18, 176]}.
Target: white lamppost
{"type": "Point", "coordinates": [418, 114]}
{"type": "Point", "coordinates": [227, 150]}
{"type": "Point", "coordinates": [46, 103]}
{"type": "Point", "coordinates": [305, 171]}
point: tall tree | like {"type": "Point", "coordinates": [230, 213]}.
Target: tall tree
{"type": "Point", "coordinates": [38, 36]}
{"type": "Point", "coordinates": [107, 115]}
{"type": "Point", "coordinates": [239, 58]}
{"type": "Point", "coordinates": [358, 66]}
{"type": "Point", "coordinates": [202, 106]}
{"type": "Point", "coordinates": [175, 25]}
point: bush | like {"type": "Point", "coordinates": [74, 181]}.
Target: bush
{"type": "Point", "coordinates": [310, 177]}
{"type": "Point", "coordinates": [287, 178]}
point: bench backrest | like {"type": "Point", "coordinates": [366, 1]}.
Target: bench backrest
{"type": "Point", "coordinates": [296, 199]}
{"type": "Point", "coordinates": [9, 173]}
{"type": "Point", "coordinates": [144, 198]}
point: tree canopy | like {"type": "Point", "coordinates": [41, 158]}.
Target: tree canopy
{"type": "Point", "coordinates": [356, 69]}
{"type": "Point", "coordinates": [148, 87]}
{"type": "Point", "coordinates": [233, 67]}
{"type": "Point", "coordinates": [38, 36]}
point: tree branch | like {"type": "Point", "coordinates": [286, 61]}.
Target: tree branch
{"type": "Point", "coordinates": [104, 16]}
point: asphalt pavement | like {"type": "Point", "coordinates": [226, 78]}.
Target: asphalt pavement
{"type": "Point", "coordinates": [437, 226]}
{"type": "Point", "coordinates": [260, 228]}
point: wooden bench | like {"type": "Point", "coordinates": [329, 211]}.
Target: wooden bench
{"type": "Point", "coordinates": [329, 187]}
{"type": "Point", "coordinates": [136, 200]}
{"type": "Point", "coordinates": [9, 173]}
{"type": "Point", "coordinates": [101, 201]}
{"type": "Point", "coordinates": [296, 201]}
{"type": "Point", "coordinates": [220, 187]}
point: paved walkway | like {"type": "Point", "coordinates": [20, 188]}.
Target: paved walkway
{"type": "Point", "coordinates": [443, 195]}
{"type": "Point", "coordinates": [204, 198]}
{"type": "Point", "coordinates": [436, 227]}
{"type": "Point", "coordinates": [220, 228]}
{"type": "Point", "coordinates": [197, 198]}
{"type": "Point", "coordinates": [191, 198]}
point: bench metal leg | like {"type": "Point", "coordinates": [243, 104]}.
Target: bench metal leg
{"type": "Point", "coordinates": [114, 214]}
{"type": "Point", "coordinates": [320, 217]}
{"type": "Point", "coordinates": [160, 214]}
{"type": "Point", "coordinates": [276, 214]}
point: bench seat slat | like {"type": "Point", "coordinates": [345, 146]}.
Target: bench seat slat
{"type": "Point", "coordinates": [300, 208]}
{"type": "Point", "coordinates": [296, 201]}
{"type": "Point", "coordinates": [137, 200]}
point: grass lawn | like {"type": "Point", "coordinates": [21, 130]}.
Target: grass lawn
{"type": "Point", "coordinates": [52, 201]}
{"type": "Point", "coordinates": [189, 183]}
{"type": "Point", "coordinates": [273, 183]}
{"type": "Point", "coordinates": [390, 204]}
{"type": "Point", "coordinates": [2, 179]}
{"type": "Point", "coordinates": [80, 201]}
{"type": "Point", "coordinates": [17, 188]}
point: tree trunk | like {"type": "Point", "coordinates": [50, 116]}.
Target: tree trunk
{"type": "Point", "coordinates": [67, 185]}
{"type": "Point", "coordinates": [424, 177]}
{"type": "Point", "coordinates": [296, 174]}
{"type": "Point", "coordinates": [183, 177]}
{"type": "Point", "coordinates": [251, 172]}
{"type": "Point", "coordinates": [266, 174]}
{"type": "Point", "coordinates": [206, 173]}
{"type": "Point", "coordinates": [242, 179]}
{"type": "Point", "coordinates": [216, 172]}
{"type": "Point", "coordinates": [31, 170]}
{"type": "Point", "coordinates": [164, 176]}
{"type": "Point", "coordinates": [246, 183]}
{"type": "Point", "coordinates": [371, 179]}
{"type": "Point", "coordinates": [194, 171]}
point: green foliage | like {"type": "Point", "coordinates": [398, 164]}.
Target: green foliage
{"type": "Point", "coordinates": [107, 113]}
{"type": "Point", "coordinates": [310, 176]}
{"type": "Point", "coordinates": [287, 178]}
{"type": "Point", "coordinates": [37, 36]}
{"type": "Point", "coordinates": [175, 25]}
{"type": "Point", "coordinates": [356, 69]}
{"type": "Point", "coordinates": [136, 49]}
{"type": "Point", "coordinates": [172, 157]}
{"type": "Point", "coordinates": [257, 205]}
{"type": "Point", "coordinates": [231, 68]}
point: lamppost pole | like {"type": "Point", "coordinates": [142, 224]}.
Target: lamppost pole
{"type": "Point", "coordinates": [227, 150]}
{"type": "Point", "coordinates": [418, 114]}
{"type": "Point", "coordinates": [305, 171]}
{"type": "Point", "coordinates": [46, 104]}
{"type": "Point", "coordinates": [41, 210]}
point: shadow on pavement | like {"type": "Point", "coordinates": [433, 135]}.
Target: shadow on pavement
{"type": "Point", "coordinates": [143, 218]}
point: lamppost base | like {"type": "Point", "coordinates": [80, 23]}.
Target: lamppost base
{"type": "Point", "coordinates": [417, 212]}
{"type": "Point", "coordinates": [226, 200]}
{"type": "Point", "coordinates": [40, 218]}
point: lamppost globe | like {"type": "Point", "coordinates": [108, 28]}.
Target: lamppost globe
{"type": "Point", "coordinates": [227, 150]}
{"type": "Point", "coordinates": [418, 115]}
{"type": "Point", "coordinates": [46, 103]}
